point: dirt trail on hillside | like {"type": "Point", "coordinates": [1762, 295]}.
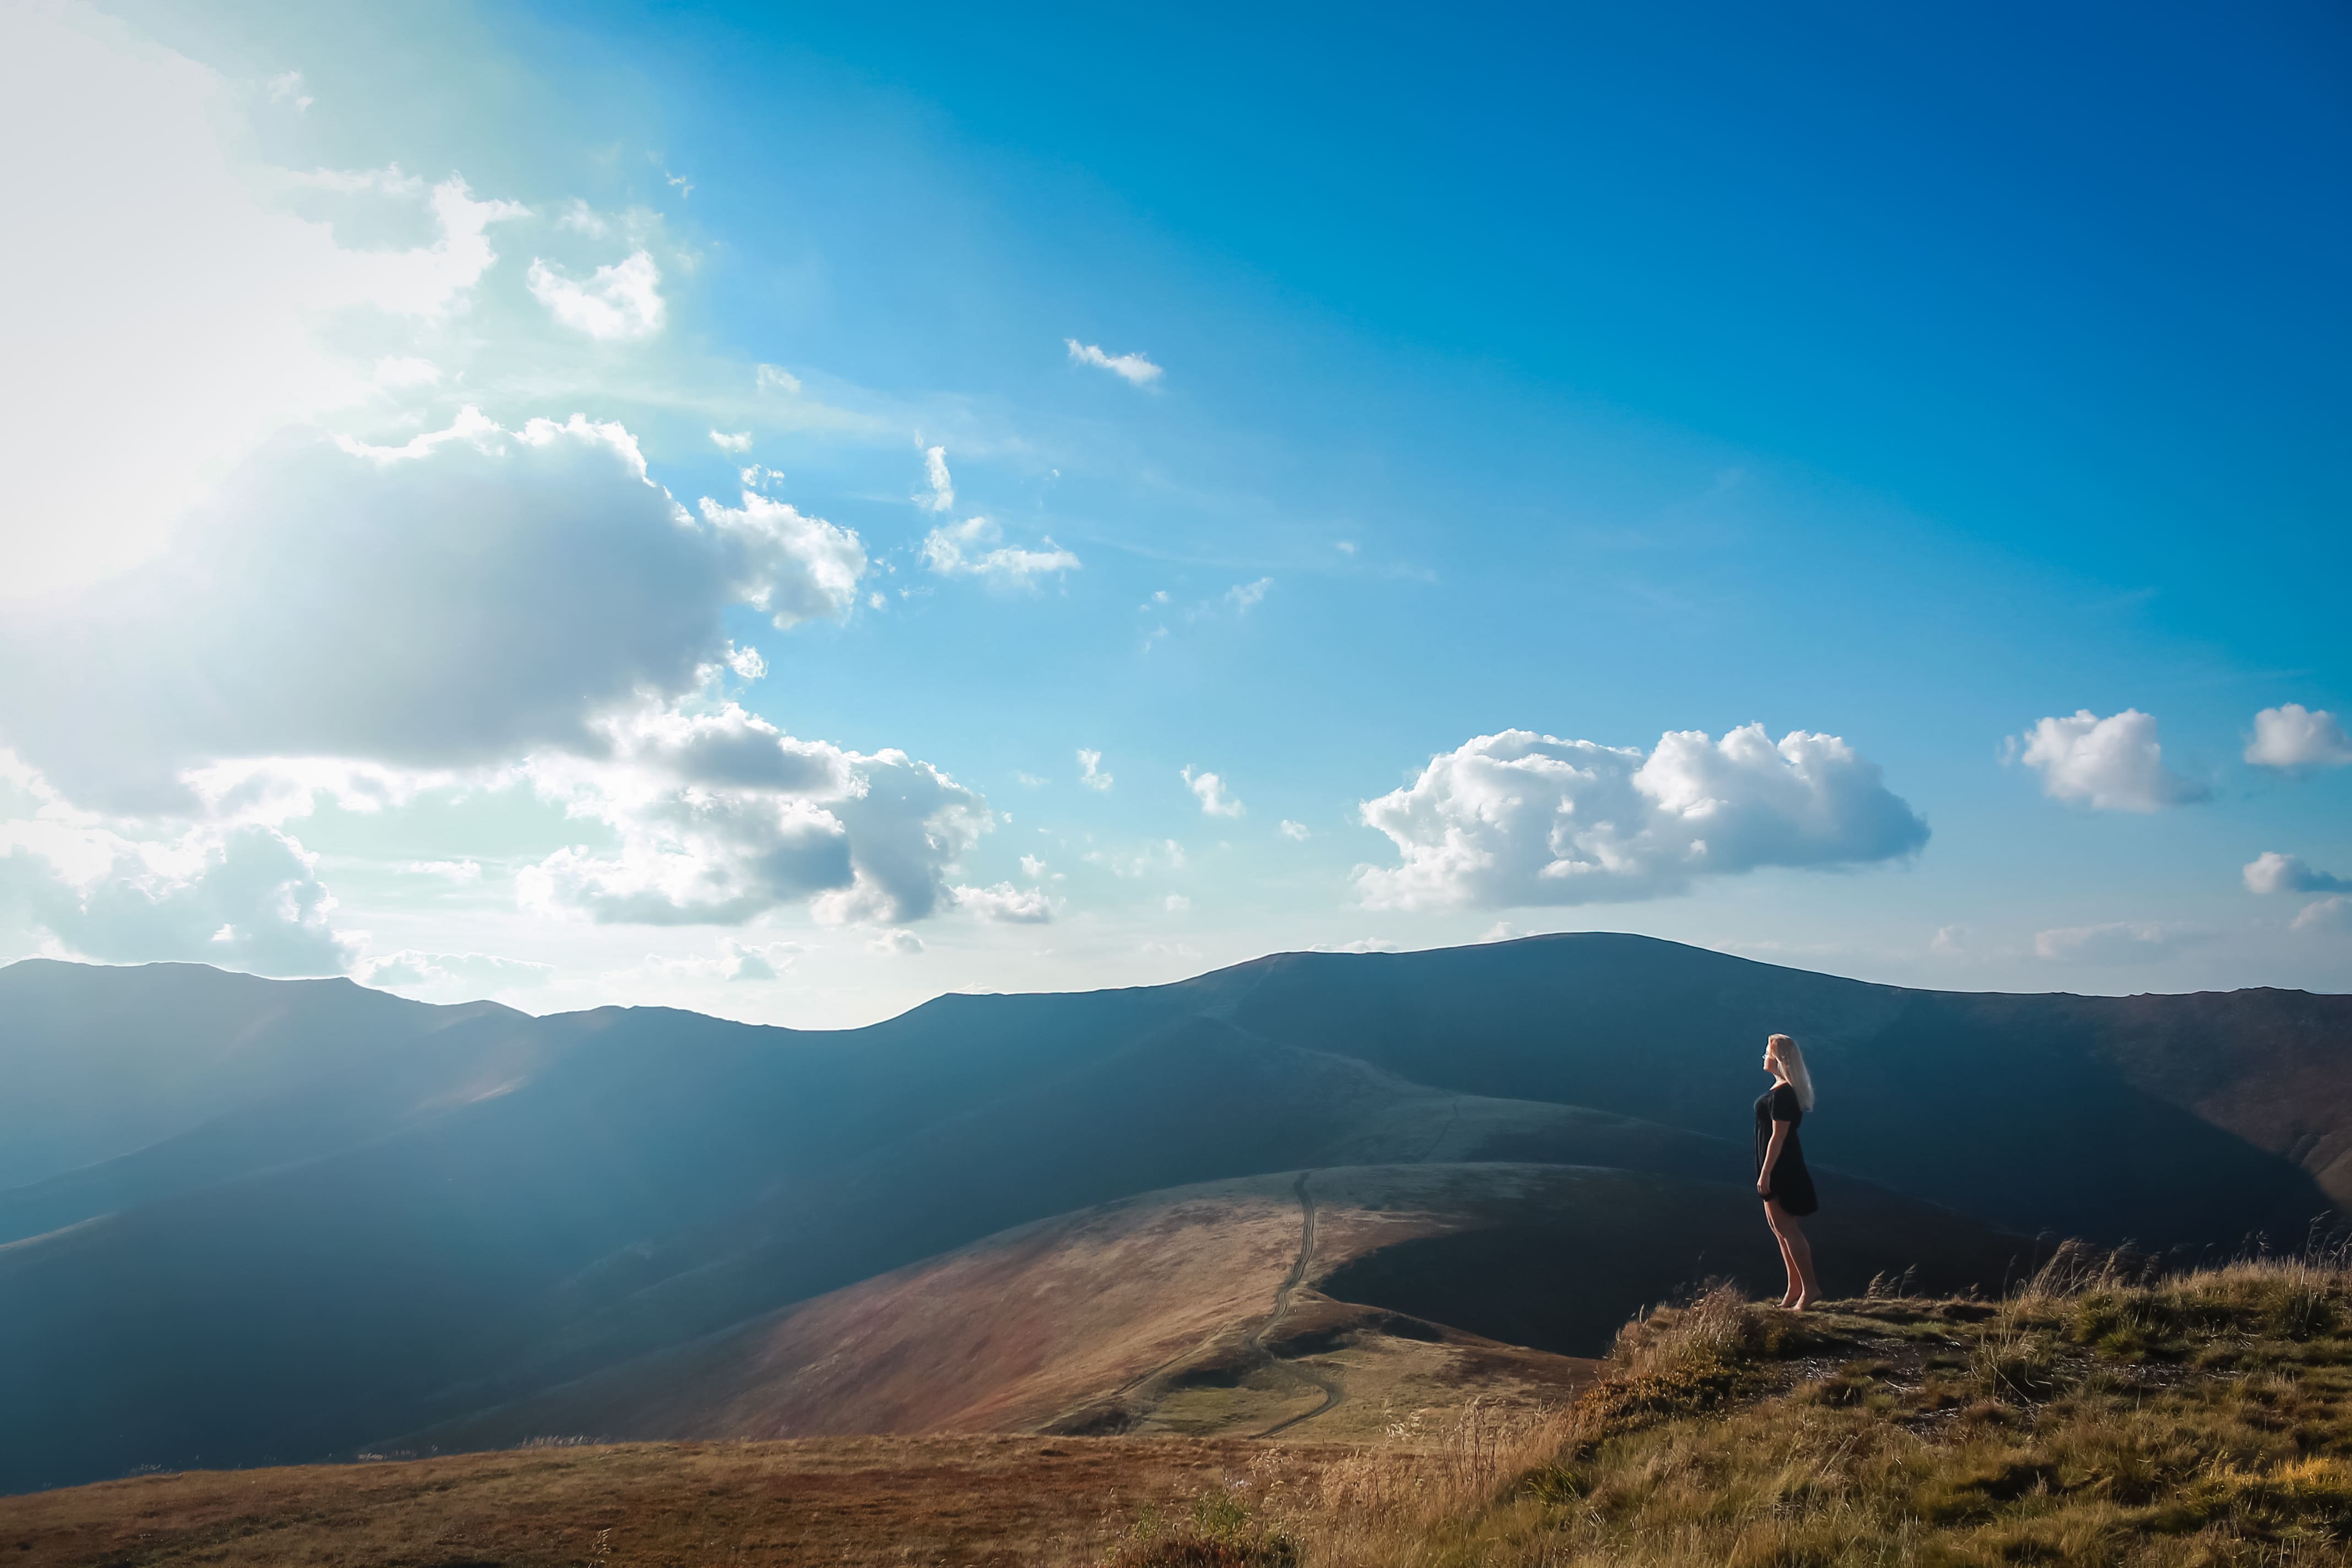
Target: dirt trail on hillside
{"type": "Point", "coordinates": [1334, 1392]}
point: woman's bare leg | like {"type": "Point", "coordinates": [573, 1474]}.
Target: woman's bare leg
{"type": "Point", "coordinates": [1775, 1219]}
{"type": "Point", "coordinates": [1800, 1255]}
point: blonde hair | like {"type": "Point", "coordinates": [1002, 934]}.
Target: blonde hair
{"type": "Point", "coordinates": [1791, 1057]}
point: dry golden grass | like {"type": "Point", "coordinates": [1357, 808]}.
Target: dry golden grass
{"type": "Point", "coordinates": [2103, 1414]}
{"type": "Point", "coordinates": [866, 1503]}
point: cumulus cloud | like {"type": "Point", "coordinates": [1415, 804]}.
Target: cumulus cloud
{"type": "Point", "coordinates": [1090, 770]}
{"type": "Point", "coordinates": [720, 816]}
{"type": "Point", "coordinates": [1294, 831]}
{"type": "Point", "coordinates": [247, 897]}
{"type": "Point", "coordinates": [795, 568]}
{"type": "Point", "coordinates": [939, 495]}
{"type": "Point", "coordinates": [2113, 763]}
{"type": "Point", "coordinates": [448, 870]}
{"type": "Point", "coordinates": [1247, 597]}
{"type": "Point", "coordinates": [2294, 736]}
{"type": "Point", "coordinates": [896, 944]}
{"type": "Point", "coordinates": [1006, 903]}
{"type": "Point", "coordinates": [741, 441]}
{"type": "Point", "coordinates": [1211, 789]}
{"type": "Point", "coordinates": [2271, 872]}
{"type": "Point", "coordinates": [471, 595]}
{"type": "Point", "coordinates": [2118, 942]}
{"type": "Point", "coordinates": [2324, 914]}
{"type": "Point", "coordinates": [1176, 903]}
{"type": "Point", "coordinates": [617, 304]}
{"type": "Point", "coordinates": [746, 662]}
{"type": "Point", "coordinates": [1133, 369]}
{"type": "Point", "coordinates": [179, 319]}
{"type": "Point", "coordinates": [1521, 819]}
{"type": "Point", "coordinates": [974, 548]}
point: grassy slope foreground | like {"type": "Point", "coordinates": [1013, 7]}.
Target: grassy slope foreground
{"type": "Point", "coordinates": [2202, 1419]}
{"type": "Point", "coordinates": [2206, 1419]}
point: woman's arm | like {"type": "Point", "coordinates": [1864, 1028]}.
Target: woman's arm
{"type": "Point", "coordinates": [1771, 1157]}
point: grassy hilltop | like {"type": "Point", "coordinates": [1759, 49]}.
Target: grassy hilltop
{"type": "Point", "coordinates": [2089, 1418]}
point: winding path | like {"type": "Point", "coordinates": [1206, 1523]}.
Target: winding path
{"type": "Point", "coordinates": [1333, 1392]}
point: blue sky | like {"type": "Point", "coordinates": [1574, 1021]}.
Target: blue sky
{"type": "Point", "coordinates": [1316, 401]}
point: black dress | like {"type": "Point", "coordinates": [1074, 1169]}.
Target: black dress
{"type": "Point", "coordinates": [1792, 1184]}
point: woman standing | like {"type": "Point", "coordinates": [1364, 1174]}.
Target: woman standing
{"type": "Point", "coordinates": [1781, 1179]}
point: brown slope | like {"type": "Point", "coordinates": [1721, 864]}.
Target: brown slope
{"type": "Point", "coordinates": [1216, 1308]}
{"type": "Point", "coordinates": [842, 1503]}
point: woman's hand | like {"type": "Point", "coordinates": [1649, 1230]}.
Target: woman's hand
{"type": "Point", "coordinates": [1763, 1188]}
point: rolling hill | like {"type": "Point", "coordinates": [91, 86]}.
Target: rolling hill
{"type": "Point", "coordinates": [436, 1213]}
{"type": "Point", "coordinates": [1319, 1303]}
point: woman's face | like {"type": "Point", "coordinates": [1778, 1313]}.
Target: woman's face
{"type": "Point", "coordinates": [1772, 1061]}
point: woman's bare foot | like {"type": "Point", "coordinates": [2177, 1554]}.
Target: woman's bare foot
{"type": "Point", "coordinates": [1788, 1301]}
{"type": "Point", "coordinates": [1802, 1304]}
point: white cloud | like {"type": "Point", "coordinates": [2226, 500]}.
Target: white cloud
{"type": "Point", "coordinates": [428, 282]}
{"type": "Point", "coordinates": [1176, 903]}
{"type": "Point", "coordinates": [618, 303]}
{"type": "Point", "coordinates": [1247, 597]}
{"type": "Point", "coordinates": [2324, 914]}
{"type": "Point", "coordinates": [2114, 764]}
{"type": "Point", "coordinates": [720, 816]}
{"type": "Point", "coordinates": [448, 870]}
{"type": "Point", "coordinates": [462, 599]}
{"type": "Point", "coordinates": [731, 961]}
{"type": "Point", "coordinates": [273, 791]}
{"type": "Point", "coordinates": [896, 944]}
{"type": "Point", "coordinates": [776, 378]}
{"type": "Point", "coordinates": [244, 897]}
{"type": "Point", "coordinates": [1033, 868]}
{"type": "Point", "coordinates": [1522, 819]}
{"type": "Point", "coordinates": [477, 972]}
{"type": "Point", "coordinates": [941, 485]}
{"type": "Point", "coordinates": [962, 550]}
{"type": "Point", "coordinates": [1090, 770]}
{"type": "Point", "coordinates": [741, 441]}
{"type": "Point", "coordinates": [797, 568]}
{"type": "Point", "coordinates": [1950, 941]}
{"type": "Point", "coordinates": [2272, 872]}
{"type": "Point", "coordinates": [186, 313]}
{"type": "Point", "coordinates": [1007, 903]}
{"type": "Point", "coordinates": [1133, 368]}
{"type": "Point", "coordinates": [1214, 801]}
{"type": "Point", "coordinates": [2118, 941]}
{"type": "Point", "coordinates": [746, 662]}
{"type": "Point", "coordinates": [2294, 736]}
{"type": "Point", "coordinates": [1294, 831]}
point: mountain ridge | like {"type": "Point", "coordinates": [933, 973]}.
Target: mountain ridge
{"type": "Point", "coordinates": [475, 1203]}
